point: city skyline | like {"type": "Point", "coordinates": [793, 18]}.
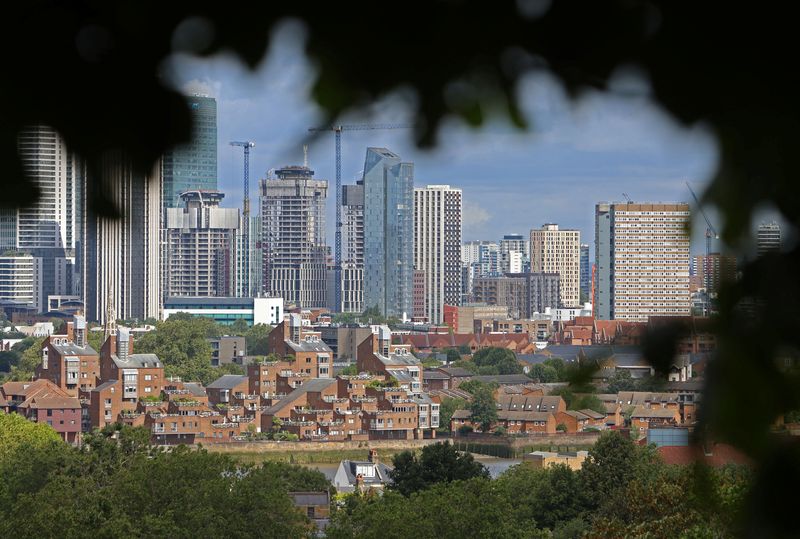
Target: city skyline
{"type": "Point", "coordinates": [575, 156]}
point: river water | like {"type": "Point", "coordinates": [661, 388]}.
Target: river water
{"type": "Point", "coordinates": [495, 465]}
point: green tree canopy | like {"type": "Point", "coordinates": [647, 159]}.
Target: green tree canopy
{"type": "Point", "coordinates": [257, 339]}
{"type": "Point", "coordinates": [180, 342]}
{"type": "Point", "coordinates": [447, 408]}
{"type": "Point", "coordinates": [483, 408]}
{"type": "Point", "coordinates": [497, 360]}
{"type": "Point", "coordinates": [437, 463]}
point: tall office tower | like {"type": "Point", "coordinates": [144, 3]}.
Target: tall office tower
{"type": "Point", "coordinates": [201, 246]}
{"type": "Point", "coordinates": [523, 293]}
{"type": "Point", "coordinates": [513, 253]}
{"type": "Point", "coordinates": [49, 228]}
{"type": "Point", "coordinates": [253, 252]}
{"type": "Point", "coordinates": [352, 285]}
{"type": "Point", "coordinates": [122, 256]}
{"type": "Point", "coordinates": [642, 260]}
{"type": "Point", "coordinates": [558, 251]}
{"type": "Point", "coordinates": [293, 236]}
{"type": "Point", "coordinates": [768, 238]}
{"type": "Point", "coordinates": [388, 233]}
{"type": "Point", "coordinates": [586, 273]}
{"type": "Point", "coordinates": [714, 270]}
{"type": "Point", "coordinates": [194, 165]}
{"type": "Point", "coordinates": [437, 246]}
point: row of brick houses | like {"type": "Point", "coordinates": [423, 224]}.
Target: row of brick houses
{"type": "Point", "coordinates": [78, 389]}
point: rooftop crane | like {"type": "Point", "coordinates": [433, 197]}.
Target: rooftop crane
{"type": "Point", "coordinates": [245, 286]}
{"type": "Point", "coordinates": [337, 131]}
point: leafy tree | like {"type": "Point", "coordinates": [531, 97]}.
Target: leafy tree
{"type": "Point", "coordinates": [17, 433]}
{"type": "Point", "coordinates": [239, 328]}
{"type": "Point", "coordinates": [96, 339]}
{"type": "Point", "coordinates": [543, 497]}
{"type": "Point", "coordinates": [557, 364]}
{"type": "Point", "coordinates": [447, 408]}
{"type": "Point", "coordinates": [473, 386]}
{"type": "Point", "coordinates": [651, 383]}
{"type": "Point", "coordinates": [350, 370]}
{"type": "Point", "coordinates": [431, 363]}
{"type": "Point", "coordinates": [588, 402]}
{"type": "Point", "coordinates": [437, 463]}
{"type": "Point", "coordinates": [543, 373]}
{"type": "Point", "coordinates": [230, 368]}
{"type": "Point", "coordinates": [501, 359]}
{"type": "Point", "coordinates": [180, 342]}
{"type": "Point", "coordinates": [613, 461]}
{"type": "Point", "coordinates": [30, 358]}
{"type": "Point", "coordinates": [464, 350]}
{"type": "Point", "coordinates": [257, 339]}
{"type": "Point", "coordinates": [621, 381]}
{"type": "Point", "coordinates": [8, 359]}
{"type": "Point", "coordinates": [453, 355]}
{"type": "Point", "coordinates": [473, 508]}
{"type": "Point", "coordinates": [483, 408]}
{"type": "Point", "coordinates": [466, 365]}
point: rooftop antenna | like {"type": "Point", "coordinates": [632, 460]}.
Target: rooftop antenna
{"type": "Point", "coordinates": [305, 155]}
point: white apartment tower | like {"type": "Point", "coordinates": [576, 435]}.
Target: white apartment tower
{"type": "Point", "coordinates": [201, 246]}
{"type": "Point", "coordinates": [554, 250]}
{"type": "Point", "coordinates": [122, 255]}
{"type": "Point", "coordinates": [49, 229]}
{"type": "Point", "coordinates": [642, 260]}
{"type": "Point", "coordinates": [293, 236]}
{"type": "Point", "coordinates": [437, 246]}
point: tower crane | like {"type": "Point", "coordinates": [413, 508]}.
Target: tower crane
{"type": "Point", "coordinates": [337, 131]}
{"type": "Point", "coordinates": [711, 233]}
{"type": "Point", "coordinates": [245, 286]}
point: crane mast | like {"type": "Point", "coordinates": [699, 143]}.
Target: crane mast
{"type": "Point", "coordinates": [245, 286]}
{"type": "Point", "coordinates": [337, 131]}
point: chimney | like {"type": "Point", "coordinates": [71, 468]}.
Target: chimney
{"type": "Point", "coordinates": [359, 482]}
{"type": "Point", "coordinates": [373, 456]}
{"type": "Point", "coordinates": [70, 331]}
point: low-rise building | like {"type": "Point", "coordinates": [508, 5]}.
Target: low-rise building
{"type": "Point", "coordinates": [42, 401]}
{"type": "Point", "coordinates": [355, 475]}
{"type": "Point", "coordinates": [545, 459]}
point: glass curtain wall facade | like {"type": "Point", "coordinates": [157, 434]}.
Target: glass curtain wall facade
{"type": "Point", "coordinates": [388, 233]}
{"type": "Point", "coordinates": [193, 165]}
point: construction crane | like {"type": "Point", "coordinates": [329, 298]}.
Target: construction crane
{"type": "Point", "coordinates": [627, 198]}
{"type": "Point", "coordinates": [337, 131]}
{"type": "Point", "coordinates": [711, 233]}
{"type": "Point", "coordinates": [245, 287]}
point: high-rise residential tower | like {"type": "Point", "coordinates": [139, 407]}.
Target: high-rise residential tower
{"type": "Point", "coordinates": [768, 238]}
{"type": "Point", "coordinates": [201, 246]}
{"type": "Point", "coordinates": [49, 229]}
{"type": "Point", "coordinates": [194, 165]}
{"type": "Point", "coordinates": [714, 270]}
{"type": "Point", "coordinates": [514, 253]}
{"type": "Point", "coordinates": [293, 236]}
{"type": "Point", "coordinates": [586, 273]}
{"type": "Point", "coordinates": [642, 260]}
{"type": "Point", "coordinates": [352, 285]}
{"type": "Point", "coordinates": [122, 256]}
{"type": "Point", "coordinates": [437, 246]}
{"type": "Point", "coordinates": [555, 250]}
{"type": "Point", "coordinates": [388, 233]}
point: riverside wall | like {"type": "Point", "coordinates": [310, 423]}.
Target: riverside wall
{"type": "Point", "coordinates": [273, 446]}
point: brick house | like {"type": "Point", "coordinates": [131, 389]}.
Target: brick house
{"type": "Point", "coordinates": [42, 401]}
{"type": "Point", "coordinates": [378, 355]}
{"type": "Point", "coordinates": [644, 418]}
{"type": "Point", "coordinates": [69, 362]}
{"type": "Point", "coordinates": [142, 375]}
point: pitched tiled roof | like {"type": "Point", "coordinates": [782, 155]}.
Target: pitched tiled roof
{"type": "Point", "coordinates": [657, 413]}
{"type": "Point", "coordinates": [227, 381]}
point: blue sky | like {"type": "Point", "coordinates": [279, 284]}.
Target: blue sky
{"type": "Point", "coordinates": [575, 154]}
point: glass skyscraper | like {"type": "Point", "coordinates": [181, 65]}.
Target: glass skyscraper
{"type": "Point", "coordinates": [193, 165]}
{"type": "Point", "coordinates": [586, 273]}
{"type": "Point", "coordinates": [388, 233]}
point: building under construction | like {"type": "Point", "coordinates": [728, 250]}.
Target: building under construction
{"type": "Point", "coordinates": [293, 236]}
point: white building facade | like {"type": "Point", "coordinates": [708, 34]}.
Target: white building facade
{"type": "Point", "coordinates": [555, 250]}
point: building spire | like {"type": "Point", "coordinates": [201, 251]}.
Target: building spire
{"type": "Point", "coordinates": [110, 327]}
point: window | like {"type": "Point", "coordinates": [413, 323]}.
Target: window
{"type": "Point", "coordinates": [148, 377]}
